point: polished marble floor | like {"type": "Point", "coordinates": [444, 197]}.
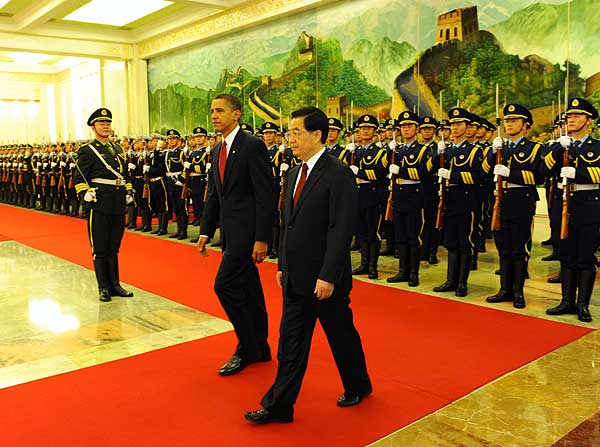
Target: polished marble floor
{"type": "Point", "coordinates": [53, 323]}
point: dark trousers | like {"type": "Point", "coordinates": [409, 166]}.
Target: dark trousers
{"type": "Point", "coordinates": [577, 252]}
{"type": "Point", "coordinates": [460, 232]}
{"type": "Point", "coordinates": [300, 314]}
{"type": "Point", "coordinates": [105, 232]}
{"type": "Point", "coordinates": [158, 196]}
{"type": "Point", "coordinates": [408, 226]}
{"type": "Point", "coordinates": [513, 238]}
{"type": "Point", "coordinates": [240, 292]}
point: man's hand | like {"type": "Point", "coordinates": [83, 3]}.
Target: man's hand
{"type": "Point", "coordinates": [260, 252]}
{"type": "Point", "coordinates": [202, 241]}
{"type": "Point", "coordinates": [323, 289]}
{"type": "Point", "coordinates": [278, 278]}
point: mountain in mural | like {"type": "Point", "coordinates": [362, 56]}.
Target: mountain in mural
{"type": "Point", "coordinates": [542, 29]}
{"type": "Point", "coordinates": [381, 60]}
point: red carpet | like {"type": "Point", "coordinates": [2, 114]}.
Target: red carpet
{"type": "Point", "coordinates": [423, 353]}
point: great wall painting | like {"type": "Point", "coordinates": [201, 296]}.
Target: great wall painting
{"type": "Point", "coordinates": [359, 53]}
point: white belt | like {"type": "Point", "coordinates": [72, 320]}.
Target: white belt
{"type": "Point", "coordinates": [403, 181]}
{"type": "Point", "coordinates": [174, 174]}
{"type": "Point", "coordinates": [360, 181]}
{"type": "Point", "coordinates": [103, 181]}
{"type": "Point", "coordinates": [514, 185]}
{"type": "Point", "coordinates": [196, 174]}
{"type": "Point", "coordinates": [156, 179]}
{"type": "Point", "coordinates": [575, 187]}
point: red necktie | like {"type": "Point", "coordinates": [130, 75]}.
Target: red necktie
{"type": "Point", "coordinates": [222, 160]}
{"type": "Point", "coordinates": [301, 183]}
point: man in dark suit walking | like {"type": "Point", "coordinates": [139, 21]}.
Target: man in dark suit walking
{"type": "Point", "coordinates": [315, 271]}
{"type": "Point", "coordinates": [240, 197]}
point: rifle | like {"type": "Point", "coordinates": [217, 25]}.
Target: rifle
{"type": "Point", "coordinates": [439, 219]}
{"type": "Point", "coordinates": [146, 190]}
{"type": "Point", "coordinates": [564, 220]}
{"type": "Point", "coordinates": [389, 209]}
{"type": "Point", "coordinates": [208, 158]}
{"type": "Point", "coordinates": [44, 178]}
{"type": "Point", "coordinates": [185, 192]}
{"type": "Point", "coordinates": [20, 170]}
{"type": "Point", "coordinates": [283, 187]}
{"type": "Point", "coordinates": [495, 225]}
{"type": "Point", "coordinates": [72, 172]}
{"type": "Point", "coordinates": [61, 178]}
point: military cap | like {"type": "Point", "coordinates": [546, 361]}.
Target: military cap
{"type": "Point", "coordinates": [558, 119]}
{"type": "Point", "coordinates": [390, 123]}
{"type": "Point", "coordinates": [476, 120]}
{"type": "Point", "coordinates": [517, 111]}
{"type": "Point", "coordinates": [429, 121]}
{"type": "Point", "coordinates": [367, 121]}
{"type": "Point", "coordinates": [335, 123]}
{"type": "Point", "coordinates": [458, 114]}
{"type": "Point", "coordinates": [580, 105]}
{"type": "Point", "coordinates": [247, 127]}
{"type": "Point", "coordinates": [488, 125]}
{"type": "Point", "coordinates": [198, 131]}
{"type": "Point", "coordinates": [173, 133]}
{"type": "Point", "coordinates": [268, 126]}
{"type": "Point", "coordinates": [102, 114]}
{"type": "Point", "coordinates": [408, 117]}
{"type": "Point", "coordinates": [445, 124]}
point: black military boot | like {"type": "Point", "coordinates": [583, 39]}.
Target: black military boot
{"type": "Point", "coordinates": [452, 274]}
{"type": "Point", "coordinates": [101, 270]}
{"type": "Point", "coordinates": [474, 258]}
{"type": "Point", "coordinates": [164, 224]}
{"type": "Point", "coordinates": [403, 265]}
{"type": "Point", "coordinates": [568, 292]}
{"type": "Point", "coordinates": [178, 223]}
{"type": "Point", "coordinates": [556, 279]}
{"type": "Point", "coordinates": [414, 261]}
{"type": "Point", "coordinates": [74, 208]}
{"type": "Point", "coordinates": [146, 221]}
{"type": "Point", "coordinates": [552, 256]}
{"type": "Point", "coordinates": [132, 217]}
{"type": "Point", "coordinates": [519, 269]}
{"type": "Point", "coordinates": [184, 227]}
{"type": "Point", "coordinates": [465, 265]}
{"type": "Point", "coordinates": [159, 227]}
{"type": "Point", "coordinates": [374, 259]}
{"type": "Point", "coordinates": [433, 246]}
{"type": "Point", "coordinates": [363, 268]}
{"type": "Point", "coordinates": [115, 288]}
{"type": "Point", "coordinates": [586, 285]}
{"type": "Point", "coordinates": [506, 282]}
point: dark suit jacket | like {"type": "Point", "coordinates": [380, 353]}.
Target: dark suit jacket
{"type": "Point", "coordinates": [316, 234]}
{"type": "Point", "coordinates": [244, 201]}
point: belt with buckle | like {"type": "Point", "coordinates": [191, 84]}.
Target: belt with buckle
{"type": "Point", "coordinates": [104, 181]}
{"type": "Point", "coordinates": [156, 179]}
{"type": "Point", "coordinates": [575, 187]}
{"type": "Point", "coordinates": [404, 181]}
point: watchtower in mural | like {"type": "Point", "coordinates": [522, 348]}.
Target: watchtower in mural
{"type": "Point", "coordinates": [336, 106]}
{"type": "Point", "coordinates": [458, 24]}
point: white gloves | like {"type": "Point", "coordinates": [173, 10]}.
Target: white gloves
{"type": "Point", "coordinates": [128, 199]}
{"type": "Point", "coordinates": [72, 166]}
{"type": "Point", "coordinates": [281, 148]}
{"type": "Point", "coordinates": [39, 164]}
{"type": "Point", "coordinates": [187, 165]}
{"type": "Point", "coordinates": [441, 147]}
{"type": "Point", "coordinates": [394, 169]}
{"type": "Point", "coordinates": [146, 169]}
{"type": "Point", "coordinates": [444, 173]}
{"type": "Point", "coordinates": [497, 144]}
{"type": "Point", "coordinates": [351, 147]}
{"type": "Point", "coordinates": [567, 171]}
{"type": "Point", "coordinates": [145, 153]}
{"type": "Point", "coordinates": [208, 149]}
{"type": "Point", "coordinates": [63, 164]}
{"type": "Point", "coordinates": [501, 170]}
{"type": "Point", "coordinates": [178, 183]}
{"type": "Point", "coordinates": [19, 165]}
{"type": "Point", "coordinates": [45, 165]}
{"type": "Point", "coordinates": [53, 165]}
{"type": "Point", "coordinates": [90, 195]}
{"type": "Point", "coordinates": [208, 165]}
{"type": "Point", "coordinates": [284, 167]}
{"type": "Point", "coordinates": [393, 145]}
{"type": "Point", "coordinates": [131, 166]}
{"type": "Point", "coordinates": [354, 168]}
{"type": "Point", "coordinates": [565, 141]}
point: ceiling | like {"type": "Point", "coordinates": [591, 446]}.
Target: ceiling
{"type": "Point", "coordinates": [36, 36]}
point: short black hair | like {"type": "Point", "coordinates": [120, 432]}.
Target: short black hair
{"type": "Point", "coordinates": [314, 119]}
{"type": "Point", "coordinates": [232, 100]}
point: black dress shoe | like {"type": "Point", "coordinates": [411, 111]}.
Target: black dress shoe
{"type": "Point", "coordinates": [233, 366]}
{"type": "Point", "coordinates": [583, 313]}
{"type": "Point", "coordinates": [555, 279]}
{"type": "Point", "coordinates": [433, 259]}
{"type": "Point", "coordinates": [564, 308]}
{"type": "Point", "coordinates": [519, 301]}
{"type": "Point", "coordinates": [104, 295]}
{"type": "Point", "coordinates": [446, 287]}
{"type": "Point", "coordinates": [350, 399]}
{"type": "Point", "coordinates": [194, 240]}
{"type": "Point", "coordinates": [551, 257]}
{"type": "Point", "coordinates": [120, 291]}
{"type": "Point", "coordinates": [461, 290]}
{"type": "Point", "coordinates": [547, 241]}
{"type": "Point", "coordinates": [413, 280]}
{"type": "Point", "coordinates": [265, 416]}
{"type": "Point", "coordinates": [500, 297]}
{"type": "Point", "coordinates": [273, 255]}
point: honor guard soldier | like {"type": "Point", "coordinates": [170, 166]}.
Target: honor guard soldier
{"type": "Point", "coordinates": [333, 146]}
{"type": "Point", "coordinates": [100, 180]}
{"type": "Point", "coordinates": [370, 168]}
{"type": "Point", "coordinates": [268, 131]}
{"type": "Point", "coordinates": [580, 174]}
{"type": "Point", "coordinates": [199, 158]}
{"type": "Point", "coordinates": [462, 176]}
{"type": "Point", "coordinates": [174, 162]}
{"type": "Point", "coordinates": [156, 170]}
{"type": "Point", "coordinates": [141, 183]}
{"type": "Point", "coordinates": [408, 171]}
{"type": "Point", "coordinates": [245, 127]}
{"type": "Point", "coordinates": [520, 171]}
{"type": "Point", "coordinates": [481, 192]}
{"type": "Point", "coordinates": [430, 183]}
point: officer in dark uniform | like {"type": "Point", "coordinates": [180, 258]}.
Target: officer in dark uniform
{"type": "Point", "coordinates": [430, 183]}
{"type": "Point", "coordinates": [408, 172]}
{"type": "Point", "coordinates": [577, 251]}
{"type": "Point", "coordinates": [269, 131]}
{"type": "Point", "coordinates": [100, 180]}
{"type": "Point", "coordinates": [156, 170]}
{"type": "Point", "coordinates": [370, 168]}
{"type": "Point", "coordinates": [141, 188]}
{"type": "Point", "coordinates": [481, 191]}
{"type": "Point", "coordinates": [521, 171]}
{"type": "Point", "coordinates": [174, 161]}
{"type": "Point", "coordinates": [199, 158]}
{"type": "Point", "coordinates": [463, 175]}
{"type": "Point", "coordinates": [333, 146]}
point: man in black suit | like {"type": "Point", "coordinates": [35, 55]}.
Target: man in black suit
{"type": "Point", "coordinates": [241, 199]}
{"type": "Point", "coordinates": [315, 271]}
